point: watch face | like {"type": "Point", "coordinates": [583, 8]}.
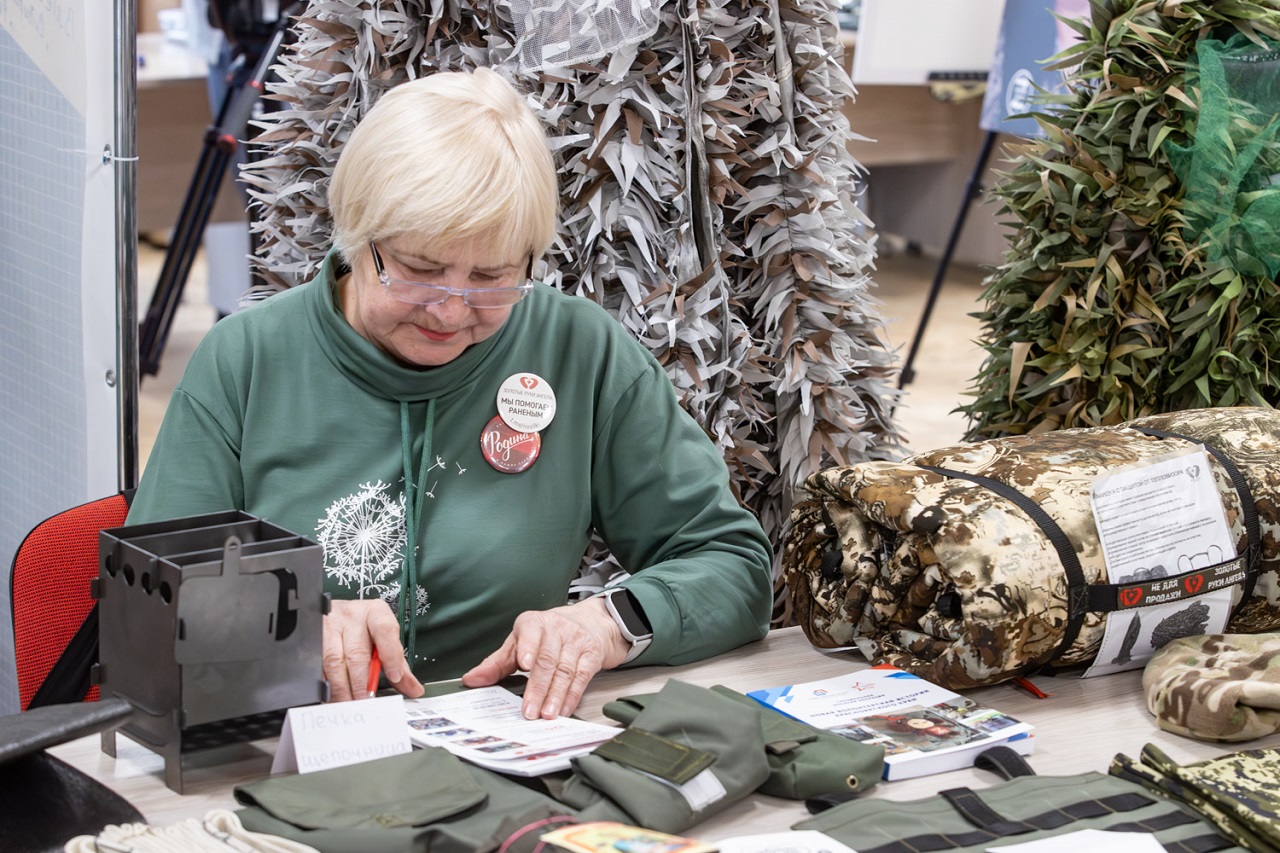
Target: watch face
{"type": "Point", "coordinates": [627, 611]}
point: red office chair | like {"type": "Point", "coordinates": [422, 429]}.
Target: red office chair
{"type": "Point", "coordinates": [49, 593]}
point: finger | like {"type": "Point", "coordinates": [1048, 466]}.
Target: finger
{"type": "Point", "coordinates": [578, 662]}
{"type": "Point", "coordinates": [407, 684]}
{"type": "Point", "coordinates": [357, 652]}
{"type": "Point", "coordinates": [394, 666]}
{"type": "Point", "coordinates": [334, 663]}
{"type": "Point", "coordinates": [539, 651]}
{"type": "Point", "coordinates": [384, 633]}
{"type": "Point", "coordinates": [495, 667]}
{"type": "Point", "coordinates": [577, 688]}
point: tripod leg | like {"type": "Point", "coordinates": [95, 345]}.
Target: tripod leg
{"type": "Point", "coordinates": [907, 375]}
{"type": "Point", "coordinates": [183, 247]}
{"type": "Point", "coordinates": [220, 142]}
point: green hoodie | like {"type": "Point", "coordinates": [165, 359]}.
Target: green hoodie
{"type": "Point", "coordinates": [286, 412]}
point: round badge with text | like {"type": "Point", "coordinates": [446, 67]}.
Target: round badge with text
{"type": "Point", "coordinates": [507, 450]}
{"type": "Point", "coordinates": [526, 402]}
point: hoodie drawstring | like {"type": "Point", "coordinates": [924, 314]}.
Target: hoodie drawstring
{"type": "Point", "coordinates": [413, 491]}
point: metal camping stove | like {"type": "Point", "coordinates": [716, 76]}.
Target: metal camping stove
{"type": "Point", "coordinates": [210, 627]}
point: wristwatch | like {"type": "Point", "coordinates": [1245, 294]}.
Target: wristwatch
{"type": "Point", "coordinates": [629, 616]}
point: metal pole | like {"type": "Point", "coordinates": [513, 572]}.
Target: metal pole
{"type": "Point", "coordinates": [125, 145]}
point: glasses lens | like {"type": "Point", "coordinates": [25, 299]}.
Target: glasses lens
{"type": "Point", "coordinates": [497, 297]}
{"type": "Point", "coordinates": [416, 294]}
{"type": "Point", "coordinates": [431, 294]}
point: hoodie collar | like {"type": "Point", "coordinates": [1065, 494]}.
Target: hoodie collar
{"type": "Point", "coordinates": [370, 368]}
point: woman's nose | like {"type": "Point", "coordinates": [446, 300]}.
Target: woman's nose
{"type": "Point", "coordinates": [452, 311]}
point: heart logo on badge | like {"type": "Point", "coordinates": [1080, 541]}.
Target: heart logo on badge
{"type": "Point", "coordinates": [1193, 583]}
{"type": "Point", "coordinates": [526, 402]}
{"type": "Point", "coordinates": [1131, 596]}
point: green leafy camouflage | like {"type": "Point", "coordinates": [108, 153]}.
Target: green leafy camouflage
{"type": "Point", "coordinates": [1239, 792]}
{"type": "Point", "coordinates": [1221, 687]}
{"type": "Point", "coordinates": [1119, 295]}
{"type": "Point", "coordinates": [952, 582]}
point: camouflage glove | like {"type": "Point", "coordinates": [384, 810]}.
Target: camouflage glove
{"type": "Point", "coordinates": [1220, 687]}
{"type": "Point", "coordinates": [1239, 792]}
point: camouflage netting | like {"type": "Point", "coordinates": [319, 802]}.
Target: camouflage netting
{"type": "Point", "coordinates": [735, 253]}
{"type": "Point", "coordinates": [1230, 167]}
{"type": "Point", "coordinates": [1141, 274]}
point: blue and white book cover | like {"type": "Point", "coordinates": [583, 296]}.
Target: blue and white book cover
{"type": "Point", "coordinates": [922, 727]}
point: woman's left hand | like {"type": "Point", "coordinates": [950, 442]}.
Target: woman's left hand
{"type": "Point", "coordinates": [561, 649]}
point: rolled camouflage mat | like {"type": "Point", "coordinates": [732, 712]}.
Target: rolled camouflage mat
{"type": "Point", "coordinates": [1220, 687]}
{"type": "Point", "coordinates": [978, 563]}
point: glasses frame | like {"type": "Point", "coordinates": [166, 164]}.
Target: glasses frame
{"type": "Point", "coordinates": [444, 292]}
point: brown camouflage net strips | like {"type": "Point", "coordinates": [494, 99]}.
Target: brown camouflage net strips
{"type": "Point", "coordinates": [948, 579]}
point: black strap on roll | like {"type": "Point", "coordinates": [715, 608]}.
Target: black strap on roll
{"type": "Point", "coordinates": [1077, 587]}
{"type": "Point", "coordinates": [1083, 597]}
{"type": "Point", "coordinates": [1248, 509]}
{"type": "Point", "coordinates": [70, 677]}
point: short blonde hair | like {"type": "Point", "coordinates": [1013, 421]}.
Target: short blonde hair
{"type": "Point", "coordinates": [450, 158]}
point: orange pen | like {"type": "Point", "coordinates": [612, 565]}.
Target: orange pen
{"type": "Point", "coordinates": [375, 669]}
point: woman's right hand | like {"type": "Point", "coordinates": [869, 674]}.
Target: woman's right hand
{"type": "Point", "coordinates": [352, 630]}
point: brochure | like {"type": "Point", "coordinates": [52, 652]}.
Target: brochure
{"type": "Point", "coordinates": [609, 837]}
{"type": "Point", "coordinates": [923, 728]}
{"type": "Point", "coordinates": [793, 841]}
{"type": "Point", "coordinates": [485, 726]}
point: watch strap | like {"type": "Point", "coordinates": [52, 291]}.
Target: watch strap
{"type": "Point", "coordinates": [630, 619]}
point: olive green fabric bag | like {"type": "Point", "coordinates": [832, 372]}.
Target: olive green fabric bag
{"type": "Point", "coordinates": [1239, 792]}
{"type": "Point", "coordinates": [1024, 808]}
{"type": "Point", "coordinates": [425, 800]}
{"type": "Point", "coordinates": [682, 733]}
{"type": "Point", "coordinates": [804, 761]}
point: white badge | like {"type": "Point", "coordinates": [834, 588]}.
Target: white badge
{"type": "Point", "coordinates": [526, 402]}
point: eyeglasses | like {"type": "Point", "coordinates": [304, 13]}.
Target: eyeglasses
{"type": "Point", "coordinates": [421, 293]}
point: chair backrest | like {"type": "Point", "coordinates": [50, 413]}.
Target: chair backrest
{"type": "Point", "coordinates": [50, 587]}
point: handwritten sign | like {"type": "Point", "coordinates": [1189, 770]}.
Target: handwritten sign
{"type": "Point", "coordinates": [320, 737]}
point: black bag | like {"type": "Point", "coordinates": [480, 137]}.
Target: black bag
{"type": "Point", "coordinates": [45, 802]}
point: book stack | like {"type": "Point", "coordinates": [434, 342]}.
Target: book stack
{"type": "Point", "coordinates": [923, 728]}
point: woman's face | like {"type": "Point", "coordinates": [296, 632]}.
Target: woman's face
{"type": "Point", "coordinates": [427, 335]}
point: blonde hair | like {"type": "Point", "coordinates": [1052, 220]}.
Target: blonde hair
{"type": "Point", "coordinates": [450, 158]}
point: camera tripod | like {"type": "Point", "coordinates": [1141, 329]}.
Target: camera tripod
{"type": "Point", "coordinates": [222, 141]}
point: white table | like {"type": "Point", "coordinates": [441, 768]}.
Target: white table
{"type": "Point", "coordinates": [1079, 728]}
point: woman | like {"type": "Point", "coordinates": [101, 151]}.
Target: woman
{"type": "Point", "coordinates": [452, 433]}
